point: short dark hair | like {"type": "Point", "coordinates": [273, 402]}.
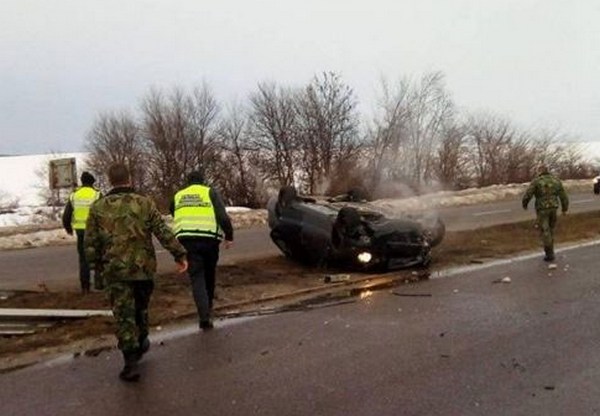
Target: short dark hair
{"type": "Point", "coordinates": [87, 179]}
{"type": "Point", "coordinates": [118, 174]}
{"type": "Point", "coordinates": [195, 177]}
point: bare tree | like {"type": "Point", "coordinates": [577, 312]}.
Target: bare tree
{"type": "Point", "coordinates": [328, 124]}
{"type": "Point", "coordinates": [203, 138]}
{"type": "Point", "coordinates": [405, 138]}
{"type": "Point", "coordinates": [451, 164]}
{"type": "Point", "coordinates": [237, 177]}
{"type": "Point", "coordinates": [179, 136]}
{"type": "Point", "coordinates": [387, 136]}
{"type": "Point", "coordinates": [490, 140]}
{"type": "Point", "coordinates": [430, 113]}
{"type": "Point", "coordinates": [115, 138]}
{"type": "Point", "coordinates": [273, 132]}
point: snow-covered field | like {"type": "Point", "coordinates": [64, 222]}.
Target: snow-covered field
{"type": "Point", "coordinates": [25, 222]}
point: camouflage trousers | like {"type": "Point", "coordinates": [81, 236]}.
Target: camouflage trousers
{"type": "Point", "coordinates": [546, 221]}
{"type": "Point", "coordinates": [129, 301]}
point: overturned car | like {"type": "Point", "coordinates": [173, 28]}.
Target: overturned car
{"type": "Point", "coordinates": [349, 232]}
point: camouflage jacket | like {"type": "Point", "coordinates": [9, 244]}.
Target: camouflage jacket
{"type": "Point", "coordinates": [547, 190]}
{"type": "Point", "coordinates": [118, 236]}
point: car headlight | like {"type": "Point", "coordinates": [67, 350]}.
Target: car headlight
{"type": "Point", "coordinates": [364, 257]}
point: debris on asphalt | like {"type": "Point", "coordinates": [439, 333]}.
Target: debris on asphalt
{"type": "Point", "coordinates": [334, 278]}
{"type": "Point", "coordinates": [94, 352]}
{"type": "Point", "coordinates": [552, 266]}
{"type": "Point", "coordinates": [455, 291]}
{"type": "Point", "coordinates": [514, 365]}
{"type": "Point", "coordinates": [505, 279]}
{"type": "Point", "coordinates": [416, 295]}
{"type": "Point", "coordinates": [476, 261]}
{"type": "Point", "coordinates": [549, 387]}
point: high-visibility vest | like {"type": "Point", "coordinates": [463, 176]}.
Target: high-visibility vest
{"type": "Point", "coordinates": [81, 200]}
{"type": "Point", "coordinates": [194, 214]}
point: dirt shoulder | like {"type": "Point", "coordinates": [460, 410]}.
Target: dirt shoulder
{"type": "Point", "coordinates": [261, 285]}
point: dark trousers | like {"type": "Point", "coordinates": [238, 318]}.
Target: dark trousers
{"type": "Point", "coordinates": [84, 268]}
{"type": "Point", "coordinates": [202, 257]}
{"type": "Point", "coordinates": [546, 219]}
{"type": "Point", "coordinates": [129, 301]}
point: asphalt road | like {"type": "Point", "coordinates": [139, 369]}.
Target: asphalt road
{"type": "Point", "coordinates": [460, 345]}
{"type": "Point", "coordinates": [56, 267]}
{"type": "Point", "coordinates": [503, 212]}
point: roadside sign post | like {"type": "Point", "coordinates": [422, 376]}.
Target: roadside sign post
{"type": "Point", "coordinates": [62, 174]}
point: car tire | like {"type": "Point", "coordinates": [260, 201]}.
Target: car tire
{"type": "Point", "coordinates": [597, 188]}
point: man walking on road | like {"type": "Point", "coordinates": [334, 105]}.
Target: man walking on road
{"type": "Point", "coordinates": [548, 191]}
{"type": "Point", "coordinates": [74, 218]}
{"type": "Point", "coordinates": [118, 244]}
{"type": "Point", "coordinates": [200, 223]}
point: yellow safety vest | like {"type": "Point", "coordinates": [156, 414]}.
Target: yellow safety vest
{"type": "Point", "coordinates": [194, 213]}
{"type": "Point", "coordinates": [81, 200]}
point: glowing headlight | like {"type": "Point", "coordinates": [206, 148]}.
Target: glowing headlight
{"type": "Point", "coordinates": [364, 257]}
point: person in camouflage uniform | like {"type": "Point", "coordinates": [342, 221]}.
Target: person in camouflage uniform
{"type": "Point", "coordinates": [118, 245]}
{"type": "Point", "coordinates": [548, 191]}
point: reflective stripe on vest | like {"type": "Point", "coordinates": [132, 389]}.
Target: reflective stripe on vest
{"type": "Point", "coordinates": [81, 200]}
{"type": "Point", "coordinates": [194, 213]}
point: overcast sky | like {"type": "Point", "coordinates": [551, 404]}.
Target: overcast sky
{"type": "Point", "coordinates": [64, 61]}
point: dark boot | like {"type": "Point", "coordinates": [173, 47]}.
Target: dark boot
{"type": "Point", "coordinates": [206, 325]}
{"type": "Point", "coordinates": [549, 254]}
{"type": "Point", "coordinates": [130, 370]}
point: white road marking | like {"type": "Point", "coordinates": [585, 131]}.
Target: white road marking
{"type": "Point", "coordinates": [471, 268]}
{"type": "Point", "coordinates": [583, 201]}
{"type": "Point", "coordinates": [499, 211]}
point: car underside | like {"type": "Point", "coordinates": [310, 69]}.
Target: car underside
{"type": "Point", "coordinates": [350, 233]}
